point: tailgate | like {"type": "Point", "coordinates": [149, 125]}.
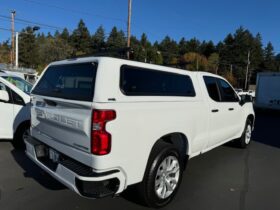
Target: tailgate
{"type": "Point", "coordinates": [65, 122]}
{"type": "Point", "coordinates": [62, 105]}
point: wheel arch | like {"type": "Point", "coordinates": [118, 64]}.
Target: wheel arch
{"type": "Point", "coordinates": [251, 117]}
{"type": "Point", "coordinates": [177, 139]}
{"type": "Point", "coordinates": [22, 124]}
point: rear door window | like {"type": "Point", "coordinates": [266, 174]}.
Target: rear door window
{"type": "Point", "coordinates": [137, 81]}
{"type": "Point", "coordinates": [71, 81]}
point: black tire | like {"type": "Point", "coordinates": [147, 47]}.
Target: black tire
{"type": "Point", "coordinates": [242, 142]}
{"type": "Point", "coordinates": [147, 188]}
{"type": "Point", "coordinates": [18, 141]}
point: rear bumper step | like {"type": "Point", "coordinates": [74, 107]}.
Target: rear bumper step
{"type": "Point", "coordinates": [78, 177]}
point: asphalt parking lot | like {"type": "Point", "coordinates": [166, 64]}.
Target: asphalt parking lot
{"type": "Point", "coordinates": [224, 178]}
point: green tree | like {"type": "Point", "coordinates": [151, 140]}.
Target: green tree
{"type": "Point", "coordinates": [269, 58]}
{"type": "Point", "coordinates": [207, 48]}
{"type": "Point", "coordinates": [234, 51]}
{"type": "Point", "coordinates": [5, 50]}
{"type": "Point", "coordinates": [194, 61]}
{"type": "Point", "coordinates": [116, 43]}
{"type": "Point", "coordinates": [65, 35]}
{"type": "Point", "coordinates": [53, 49]}
{"type": "Point", "coordinates": [98, 40]}
{"type": "Point", "coordinates": [277, 59]}
{"type": "Point", "coordinates": [193, 45]}
{"type": "Point", "coordinates": [213, 63]}
{"type": "Point", "coordinates": [169, 50]}
{"type": "Point", "coordinates": [80, 39]}
{"type": "Point", "coordinates": [183, 48]}
{"type": "Point", "coordinates": [28, 50]}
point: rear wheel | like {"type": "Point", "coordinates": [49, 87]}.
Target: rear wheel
{"type": "Point", "coordinates": [163, 176]}
{"type": "Point", "coordinates": [245, 139]}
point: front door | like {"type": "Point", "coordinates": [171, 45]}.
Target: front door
{"type": "Point", "coordinates": [6, 116]}
{"type": "Point", "coordinates": [220, 128]}
{"type": "Point", "coordinates": [233, 110]}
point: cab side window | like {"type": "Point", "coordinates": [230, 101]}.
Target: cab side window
{"type": "Point", "coordinates": [227, 92]}
{"type": "Point", "coordinates": [14, 97]}
{"type": "Point", "coordinates": [212, 88]}
{"type": "Point", "coordinates": [17, 99]}
{"type": "Point", "coordinates": [4, 87]}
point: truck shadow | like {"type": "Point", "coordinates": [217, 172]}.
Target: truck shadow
{"type": "Point", "coordinates": [267, 128]}
{"type": "Point", "coordinates": [31, 170]}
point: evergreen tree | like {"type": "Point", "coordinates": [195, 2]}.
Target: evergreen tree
{"type": "Point", "coordinates": [277, 59]}
{"type": "Point", "coordinates": [28, 51]}
{"type": "Point", "coordinates": [116, 43]}
{"type": "Point", "coordinates": [98, 40]}
{"type": "Point", "coordinates": [5, 50]}
{"type": "Point", "coordinates": [183, 48]}
{"type": "Point", "coordinates": [169, 50]}
{"type": "Point", "coordinates": [80, 39]}
{"type": "Point", "coordinates": [193, 45]}
{"type": "Point", "coordinates": [65, 35]}
{"type": "Point", "coordinates": [38, 51]}
{"type": "Point", "coordinates": [269, 58]}
{"type": "Point", "coordinates": [207, 48]}
{"type": "Point", "coordinates": [257, 58]}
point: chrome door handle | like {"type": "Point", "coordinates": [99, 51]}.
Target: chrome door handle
{"type": "Point", "coordinates": [215, 110]}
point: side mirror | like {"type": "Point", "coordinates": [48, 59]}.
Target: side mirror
{"type": "Point", "coordinates": [4, 96]}
{"type": "Point", "coordinates": [245, 99]}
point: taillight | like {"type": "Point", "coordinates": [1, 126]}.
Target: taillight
{"type": "Point", "coordinates": [100, 138]}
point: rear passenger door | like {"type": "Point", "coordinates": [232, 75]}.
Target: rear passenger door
{"type": "Point", "coordinates": [220, 124]}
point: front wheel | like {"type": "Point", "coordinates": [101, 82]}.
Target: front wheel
{"type": "Point", "coordinates": [163, 176]}
{"type": "Point", "coordinates": [245, 139]}
{"type": "Point", "coordinates": [21, 135]}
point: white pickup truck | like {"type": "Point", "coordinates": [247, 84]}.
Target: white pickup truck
{"type": "Point", "coordinates": [99, 125]}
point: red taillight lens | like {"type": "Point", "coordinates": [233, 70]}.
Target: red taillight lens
{"type": "Point", "coordinates": [100, 138]}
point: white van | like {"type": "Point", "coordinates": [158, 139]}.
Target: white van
{"type": "Point", "coordinates": [99, 125]}
{"type": "Point", "coordinates": [14, 108]}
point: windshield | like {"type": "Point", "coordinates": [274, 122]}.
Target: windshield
{"type": "Point", "coordinates": [19, 83]}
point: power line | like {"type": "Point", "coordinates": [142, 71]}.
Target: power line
{"type": "Point", "coordinates": [75, 11]}
{"type": "Point", "coordinates": [42, 25]}
{"type": "Point", "coordinates": [19, 20]}
{"type": "Point", "coordinates": [5, 29]}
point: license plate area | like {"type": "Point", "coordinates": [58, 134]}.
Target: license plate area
{"type": "Point", "coordinates": [54, 155]}
{"type": "Point", "coordinates": [48, 156]}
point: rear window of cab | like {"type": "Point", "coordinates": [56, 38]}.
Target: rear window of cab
{"type": "Point", "coordinates": [71, 81]}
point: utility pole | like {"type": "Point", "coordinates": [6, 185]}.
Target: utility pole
{"type": "Point", "coordinates": [247, 70]}
{"type": "Point", "coordinates": [16, 49]}
{"type": "Point", "coordinates": [129, 28]}
{"type": "Point", "coordinates": [230, 69]}
{"type": "Point", "coordinates": [13, 14]}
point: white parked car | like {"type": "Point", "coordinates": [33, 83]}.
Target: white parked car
{"type": "Point", "coordinates": [99, 125]}
{"type": "Point", "coordinates": [14, 108]}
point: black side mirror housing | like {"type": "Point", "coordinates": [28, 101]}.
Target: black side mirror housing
{"type": "Point", "coordinates": [245, 99]}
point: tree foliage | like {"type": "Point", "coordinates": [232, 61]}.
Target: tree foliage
{"type": "Point", "coordinates": [228, 57]}
{"type": "Point", "coordinates": [5, 51]}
